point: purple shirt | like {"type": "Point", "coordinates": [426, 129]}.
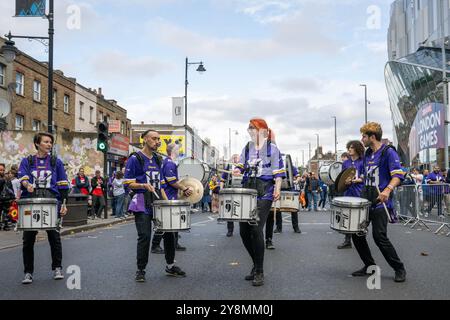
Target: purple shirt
{"type": "Point", "coordinates": [169, 177]}
{"type": "Point", "coordinates": [268, 165]}
{"type": "Point", "coordinates": [41, 174]}
{"type": "Point", "coordinates": [380, 173]}
{"type": "Point", "coordinates": [354, 190]}
{"type": "Point", "coordinates": [435, 189]}
{"type": "Point", "coordinates": [134, 173]}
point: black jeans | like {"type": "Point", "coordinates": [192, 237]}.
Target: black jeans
{"type": "Point", "coordinates": [144, 230]}
{"type": "Point", "coordinates": [279, 220]}
{"type": "Point", "coordinates": [379, 230]}
{"type": "Point", "coordinates": [253, 236]}
{"type": "Point", "coordinates": [269, 225]}
{"type": "Point", "coordinates": [230, 226]}
{"type": "Point", "coordinates": [29, 238]}
{"type": "Point", "coordinates": [157, 237]}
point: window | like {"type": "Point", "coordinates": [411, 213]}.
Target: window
{"type": "Point", "coordinates": [20, 83]}
{"type": "Point", "coordinates": [37, 91]}
{"type": "Point", "coordinates": [100, 116]}
{"type": "Point", "coordinates": [19, 122]}
{"type": "Point", "coordinates": [66, 130]}
{"type": "Point", "coordinates": [81, 110]}
{"type": "Point", "coordinates": [55, 98]}
{"type": "Point", "coordinates": [91, 114]}
{"type": "Point", "coordinates": [122, 128]}
{"type": "Point", "coordinates": [36, 125]}
{"type": "Point", "coordinates": [66, 103]}
{"type": "Point", "coordinates": [2, 74]}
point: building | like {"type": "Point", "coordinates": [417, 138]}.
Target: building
{"type": "Point", "coordinates": [414, 79]}
{"type": "Point", "coordinates": [319, 159]}
{"type": "Point", "coordinates": [85, 109]}
{"type": "Point", "coordinates": [197, 147]}
{"type": "Point", "coordinates": [6, 90]}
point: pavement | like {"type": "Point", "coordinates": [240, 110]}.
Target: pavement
{"type": "Point", "coordinates": [303, 266]}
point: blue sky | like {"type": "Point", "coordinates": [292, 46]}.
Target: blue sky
{"type": "Point", "coordinates": [294, 62]}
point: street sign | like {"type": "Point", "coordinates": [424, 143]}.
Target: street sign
{"type": "Point", "coordinates": [119, 145]}
{"type": "Point", "coordinates": [114, 126]}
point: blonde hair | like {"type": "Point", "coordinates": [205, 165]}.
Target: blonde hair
{"type": "Point", "coordinates": [372, 128]}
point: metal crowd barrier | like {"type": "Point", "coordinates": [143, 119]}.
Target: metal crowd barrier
{"type": "Point", "coordinates": [424, 205]}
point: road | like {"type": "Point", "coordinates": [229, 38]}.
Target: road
{"type": "Point", "coordinates": [303, 266]}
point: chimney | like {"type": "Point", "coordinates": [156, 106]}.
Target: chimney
{"type": "Point", "coordinates": [100, 91]}
{"type": "Point", "coordinates": [142, 122]}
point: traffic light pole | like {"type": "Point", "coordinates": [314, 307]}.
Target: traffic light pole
{"type": "Point", "coordinates": [105, 174]}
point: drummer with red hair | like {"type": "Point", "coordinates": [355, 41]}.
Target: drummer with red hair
{"type": "Point", "coordinates": [263, 169]}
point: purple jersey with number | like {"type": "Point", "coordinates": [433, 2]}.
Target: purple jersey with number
{"type": "Point", "coordinates": [135, 173]}
{"type": "Point", "coordinates": [42, 175]}
{"type": "Point", "coordinates": [267, 164]}
{"type": "Point", "coordinates": [379, 173]}
{"type": "Point", "coordinates": [354, 190]}
{"type": "Point", "coordinates": [169, 177]}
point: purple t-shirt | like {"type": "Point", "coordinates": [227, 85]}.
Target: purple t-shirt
{"type": "Point", "coordinates": [437, 177]}
{"type": "Point", "coordinates": [380, 173]}
{"type": "Point", "coordinates": [169, 177]}
{"type": "Point", "coordinates": [267, 163]}
{"type": "Point", "coordinates": [135, 173]}
{"type": "Point", "coordinates": [354, 190]}
{"type": "Point", "coordinates": [41, 174]}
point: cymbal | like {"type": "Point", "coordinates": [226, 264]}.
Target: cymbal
{"type": "Point", "coordinates": [342, 177]}
{"type": "Point", "coordinates": [197, 190]}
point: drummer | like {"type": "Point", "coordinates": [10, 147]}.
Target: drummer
{"type": "Point", "coordinates": [142, 175]}
{"type": "Point", "coordinates": [225, 182]}
{"type": "Point", "coordinates": [382, 171]}
{"type": "Point", "coordinates": [170, 185]}
{"type": "Point", "coordinates": [42, 175]}
{"type": "Point", "coordinates": [263, 169]}
{"type": "Point", "coordinates": [355, 184]}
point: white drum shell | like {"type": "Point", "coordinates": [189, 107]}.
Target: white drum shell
{"type": "Point", "coordinates": [288, 202]}
{"type": "Point", "coordinates": [349, 214]}
{"type": "Point", "coordinates": [37, 214]}
{"type": "Point", "coordinates": [171, 216]}
{"type": "Point", "coordinates": [238, 204]}
{"type": "Point", "coordinates": [329, 172]}
{"type": "Point", "coordinates": [236, 182]}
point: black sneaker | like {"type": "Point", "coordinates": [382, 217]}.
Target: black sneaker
{"type": "Point", "coordinates": [269, 245]}
{"type": "Point", "coordinates": [258, 280]}
{"type": "Point", "coordinates": [400, 275]}
{"type": "Point", "coordinates": [297, 230]}
{"type": "Point", "coordinates": [158, 250]}
{"type": "Point", "coordinates": [361, 272]}
{"type": "Point", "coordinates": [140, 276]}
{"type": "Point", "coordinates": [180, 248]}
{"type": "Point", "coordinates": [277, 230]}
{"type": "Point", "coordinates": [175, 272]}
{"type": "Point", "coordinates": [345, 245]}
{"type": "Point", "coordinates": [229, 233]}
{"type": "Point", "coordinates": [251, 276]}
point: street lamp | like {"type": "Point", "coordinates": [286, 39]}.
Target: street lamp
{"type": "Point", "coordinates": [10, 53]}
{"type": "Point", "coordinates": [201, 69]}
{"type": "Point", "coordinates": [317, 143]}
{"type": "Point", "coordinates": [335, 137]}
{"type": "Point", "coordinates": [366, 102]}
{"type": "Point", "coordinates": [229, 141]}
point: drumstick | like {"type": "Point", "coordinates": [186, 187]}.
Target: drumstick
{"type": "Point", "coordinates": [156, 195]}
{"type": "Point", "coordinates": [384, 205]}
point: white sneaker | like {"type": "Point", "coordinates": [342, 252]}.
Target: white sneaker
{"type": "Point", "coordinates": [27, 279]}
{"type": "Point", "coordinates": [58, 274]}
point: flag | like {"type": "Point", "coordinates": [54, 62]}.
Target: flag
{"type": "Point", "coordinates": [30, 8]}
{"type": "Point", "coordinates": [178, 112]}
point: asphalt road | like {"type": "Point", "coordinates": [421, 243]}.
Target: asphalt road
{"type": "Point", "coordinates": [305, 266]}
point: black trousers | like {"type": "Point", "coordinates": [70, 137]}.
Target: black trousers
{"type": "Point", "coordinates": [279, 220]}
{"type": "Point", "coordinates": [144, 229]}
{"type": "Point", "coordinates": [269, 225]}
{"type": "Point", "coordinates": [98, 203]}
{"type": "Point", "coordinates": [379, 231]}
{"type": "Point", "coordinates": [253, 235]}
{"type": "Point", "coordinates": [157, 237]}
{"type": "Point", "coordinates": [230, 226]}
{"type": "Point", "coordinates": [29, 238]}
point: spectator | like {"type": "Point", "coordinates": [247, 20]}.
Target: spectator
{"type": "Point", "coordinates": [323, 194]}
{"type": "Point", "coordinates": [98, 193]}
{"type": "Point", "coordinates": [215, 188]}
{"type": "Point", "coordinates": [436, 192]}
{"type": "Point", "coordinates": [81, 183]}
{"type": "Point", "coordinates": [6, 197]}
{"type": "Point", "coordinates": [119, 195]}
{"type": "Point", "coordinates": [206, 200]}
{"type": "Point", "coordinates": [313, 191]}
{"type": "Point", "coordinates": [110, 194]}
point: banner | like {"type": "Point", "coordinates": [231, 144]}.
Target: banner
{"type": "Point", "coordinates": [119, 145]}
{"type": "Point", "coordinates": [114, 126]}
{"type": "Point", "coordinates": [428, 129]}
{"type": "Point", "coordinates": [168, 139]}
{"type": "Point", "coordinates": [30, 8]}
{"type": "Point", "coordinates": [178, 112]}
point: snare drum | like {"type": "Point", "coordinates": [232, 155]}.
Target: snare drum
{"type": "Point", "coordinates": [349, 214]}
{"type": "Point", "coordinates": [237, 204]}
{"type": "Point", "coordinates": [329, 172]}
{"type": "Point", "coordinates": [288, 202]}
{"type": "Point", "coordinates": [37, 214]}
{"type": "Point", "coordinates": [194, 168]}
{"type": "Point", "coordinates": [236, 181]}
{"type": "Point", "coordinates": [171, 215]}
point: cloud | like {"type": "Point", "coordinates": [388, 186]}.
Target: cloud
{"type": "Point", "coordinates": [299, 85]}
{"type": "Point", "coordinates": [117, 64]}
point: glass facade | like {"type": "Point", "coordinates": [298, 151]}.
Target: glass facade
{"type": "Point", "coordinates": [411, 82]}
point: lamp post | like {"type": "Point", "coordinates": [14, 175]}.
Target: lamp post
{"type": "Point", "coordinates": [10, 52]}
{"type": "Point", "coordinates": [365, 100]}
{"type": "Point", "coordinates": [317, 143]}
{"type": "Point", "coordinates": [200, 69]}
{"type": "Point", "coordinates": [335, 137]}
{"type": "Point", "coordinates": [444, 86]}
{"type": "Point", "coordinates": [229, 140]}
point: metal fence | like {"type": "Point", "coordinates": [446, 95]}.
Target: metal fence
{"type": "Point", "coordinates": [426, 205]}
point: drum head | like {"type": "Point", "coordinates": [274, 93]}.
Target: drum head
{"type": "Point", "coordinates": [335, 169]}
{"type": "Point", "coordinates": [350, 202]}
{"type": "Point", "coordinates": [193, 168]}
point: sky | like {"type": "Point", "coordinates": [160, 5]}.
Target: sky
{"type": "Point", "coordinates": [295, 63]}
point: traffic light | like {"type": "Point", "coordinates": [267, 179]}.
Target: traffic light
{"type": "Point", "coordinates": [102, 137]}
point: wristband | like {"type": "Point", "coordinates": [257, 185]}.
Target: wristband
{"type": "Point", "coordinates": [391, 187]}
